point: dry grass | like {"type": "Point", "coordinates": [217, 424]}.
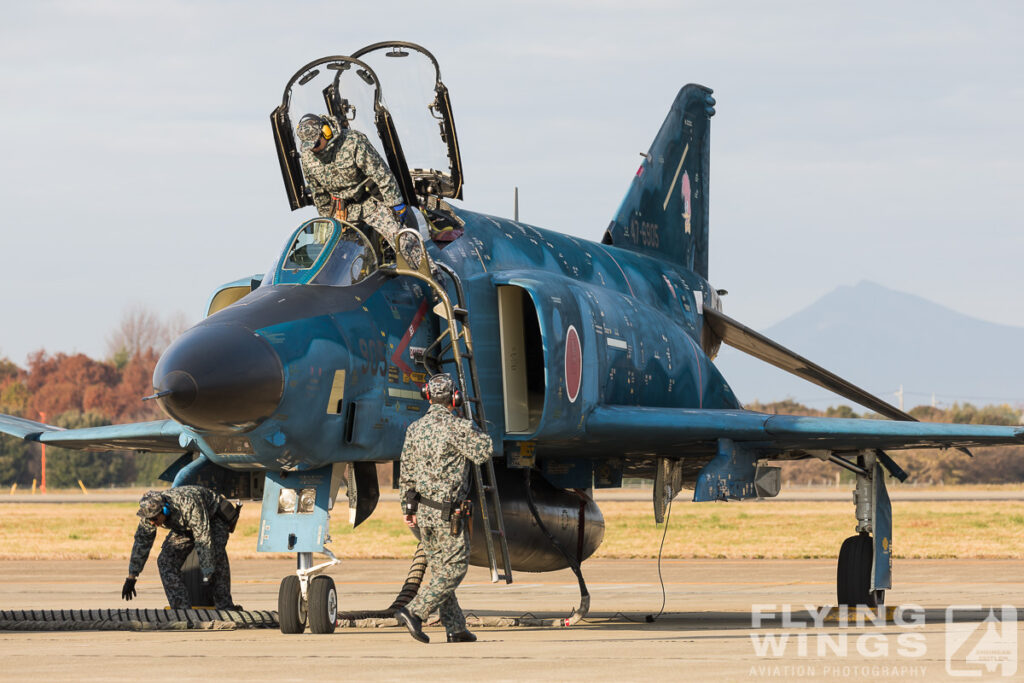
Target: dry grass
{"type": "Point", "coordinates": [976, 529]}
{"type": "Point", "coordinates": [81, 531]}
{"type": "Point", "coordinates": [813, 530]}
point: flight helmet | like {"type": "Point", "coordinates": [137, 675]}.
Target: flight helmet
{"type": "Point", "coordinates": [311, 128]}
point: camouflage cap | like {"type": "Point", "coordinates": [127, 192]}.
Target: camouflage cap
{"type": "Point", "coordinates": [441, 388]}
{"type": "Point", "coordinates": [150, 505]}
{"type": "Point", "coordinates": [309, 129]}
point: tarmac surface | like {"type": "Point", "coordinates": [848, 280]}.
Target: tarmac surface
{"type": "Point", "coordinates": [706, 632]}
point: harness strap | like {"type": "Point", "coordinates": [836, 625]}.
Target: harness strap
{"type": "Point", "coordinates": [445, 507]}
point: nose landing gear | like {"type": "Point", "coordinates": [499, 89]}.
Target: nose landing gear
{"type": "Point", "coordinates": [308, 597]}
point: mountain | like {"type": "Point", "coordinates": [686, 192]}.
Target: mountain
{"type": "Point", "coordinates": [880, 339]}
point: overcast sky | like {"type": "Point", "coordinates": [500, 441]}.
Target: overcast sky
{"type": "Point", "coordinates": [869, 140]}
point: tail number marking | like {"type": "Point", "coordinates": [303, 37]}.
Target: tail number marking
{"type": "Point", "coordinates": [645, 233]}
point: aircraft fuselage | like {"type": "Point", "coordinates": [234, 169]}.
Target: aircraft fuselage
{"type": "Point", "coordinates": [346, 384]}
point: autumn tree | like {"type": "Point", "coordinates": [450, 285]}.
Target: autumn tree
{"type": "Point", "coordinates": [13, 392]}
{"type": "Point", "coordinates": [61, 383]}
{"type": "Point", "coordinates": [77, 391]}
{"type": "Point", "coordinates": [141, 331]}
{"type": "Point", "coordinates": [136, 383]}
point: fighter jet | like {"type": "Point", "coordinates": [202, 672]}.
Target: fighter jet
{"type": "Point", "coordinates": [585, 361]}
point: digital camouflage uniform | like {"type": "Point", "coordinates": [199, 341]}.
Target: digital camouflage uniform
{"type": "Point", "coordinates": [435, 463]}
{"type": "Point", "coordinates": [193, 522]}
{"type": "Point", "coordinates": [349, 169]}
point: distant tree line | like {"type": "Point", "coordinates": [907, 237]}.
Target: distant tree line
{"type": "Point", "coordinates": [992, 465]}
{"type": "Point", "coordinates": [75, 391]}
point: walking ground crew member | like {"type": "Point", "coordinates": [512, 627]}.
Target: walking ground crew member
{"type": "Point", "coordinates": [350, 181]}
{"type": "Point", "coordinates": [434, 481]}
{"type": "Point", "coordinates": [196, 517]}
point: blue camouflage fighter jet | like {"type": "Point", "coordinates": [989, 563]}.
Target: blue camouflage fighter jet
{"type": "Point", "coordinates": [586, 362]}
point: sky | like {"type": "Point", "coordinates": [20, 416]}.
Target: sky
{"type": "Point", "coordinates": [852, 141]}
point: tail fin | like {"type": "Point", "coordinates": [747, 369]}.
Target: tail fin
{"type": "Point", "coordinates": [665, 212]}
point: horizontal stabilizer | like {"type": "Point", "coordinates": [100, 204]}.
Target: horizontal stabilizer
{"type": "Point", "coordinates": [677, 427]}
{"type": "Point", "coordinates": [159, 436]}
{"type": "Point", "coordinates": [748, 341]}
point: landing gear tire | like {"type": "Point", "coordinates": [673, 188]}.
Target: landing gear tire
{"type": "Point", "coordinates": [200, 594]}
{"type": "Point", "coordinates": [291, 615]}
{"type": "Point", "coordinates": [323, 605]}
{"type": "Point", "coordinates": [853, 575]}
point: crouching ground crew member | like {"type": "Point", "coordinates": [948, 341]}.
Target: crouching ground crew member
{"type": "Point", "coordinates": [195, 517]}
{"type": "Point", "coordinates": [434, 482]}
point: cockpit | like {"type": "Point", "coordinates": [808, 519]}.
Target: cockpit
{"type": "Point", "coordinates": [326, 251]}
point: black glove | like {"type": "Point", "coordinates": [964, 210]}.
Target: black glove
{"type": "Point", "coordinates": [128, 590]}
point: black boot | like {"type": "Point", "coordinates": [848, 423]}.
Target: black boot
{"type": "Point", "coordinates": [461, 637]}
{"type": "Point", "coordinates": [412, 623]}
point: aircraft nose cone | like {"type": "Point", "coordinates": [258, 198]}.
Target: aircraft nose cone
{"type": "Point", "coordinates": [220, 378]}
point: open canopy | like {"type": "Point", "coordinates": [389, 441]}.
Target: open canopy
{"type": "Point", "coordinates": [423, 114]}
{"type": "Point", "coordinates": [349, 88]}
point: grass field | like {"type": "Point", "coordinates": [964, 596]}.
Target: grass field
{"type": "Point", "coordinates": [769, 529]}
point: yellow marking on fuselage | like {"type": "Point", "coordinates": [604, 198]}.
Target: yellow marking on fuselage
{"type": "Point", "coordinates": [481, 258]}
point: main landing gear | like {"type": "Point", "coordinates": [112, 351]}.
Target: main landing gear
{"type": "Point", "coordinates": [308, 597]}
{"type": "Point", "coordinates": [865, 561]}
{"type": "Point", "coordinates": [853, 576]}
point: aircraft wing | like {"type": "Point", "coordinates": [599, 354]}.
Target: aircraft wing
{"type": "Point", "coordinates": [160, 436]}
{"type": "Point", "coordinates": [678, 427]}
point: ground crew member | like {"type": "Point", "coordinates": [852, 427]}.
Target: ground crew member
{"type": "Point", "coordinates": [434, 482]}
{"type": "Point", "coordinates": [196, 517]}
{"type": "Point", "coordinates": [350, 181]}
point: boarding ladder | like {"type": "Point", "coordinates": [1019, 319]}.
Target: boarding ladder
{"type": "Point", "coordinates": [459, 341]}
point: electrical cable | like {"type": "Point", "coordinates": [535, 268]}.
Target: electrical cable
{"type": "Point", "coordinates": [573, 562]}
{"type": "Point", "coordinates": [668, 516]}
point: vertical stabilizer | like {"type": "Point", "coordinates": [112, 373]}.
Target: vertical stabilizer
{"type": "Point", "coordinates": [665, 211]}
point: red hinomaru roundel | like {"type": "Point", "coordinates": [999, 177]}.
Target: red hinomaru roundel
{"type": "Point", "coordinates": [573, 364]}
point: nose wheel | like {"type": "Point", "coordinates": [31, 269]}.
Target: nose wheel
{"type": "Point", "coordinates": [323, 605]}
{"type": "Point", "coordinates": [308, 597]}
{"type": "Point", "coordinates": [291, 608]}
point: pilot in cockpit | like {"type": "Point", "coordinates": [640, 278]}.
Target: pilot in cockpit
{"type": "Point", "coordinates": [350, 181]}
